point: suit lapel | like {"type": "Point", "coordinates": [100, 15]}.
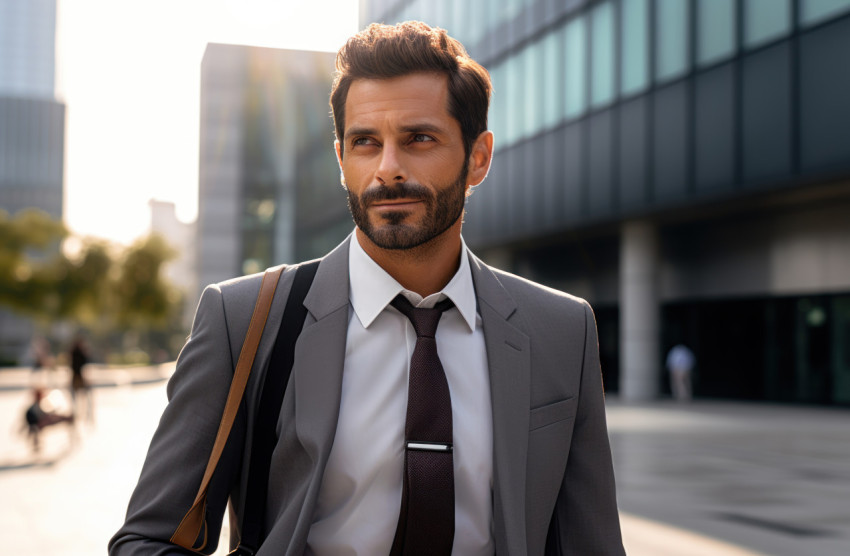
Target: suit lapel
{"type": "Point", "coordinates": [317, 377]}
{"type": "Point", "coordinates": [509, 361]}
{"type": "Point", "coordinates": [320, 355]}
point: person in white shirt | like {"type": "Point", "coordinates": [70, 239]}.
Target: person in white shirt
{"type": "Point", "coordinates": [680, 364]}
{"type": "Point", "coordinates": [529, 462]}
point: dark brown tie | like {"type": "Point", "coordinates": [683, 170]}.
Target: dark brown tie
{"type": "Point", "coordinates": [426, 523]}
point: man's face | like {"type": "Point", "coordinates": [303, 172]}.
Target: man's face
{"type": "Point", "coordinates": [403, 159]}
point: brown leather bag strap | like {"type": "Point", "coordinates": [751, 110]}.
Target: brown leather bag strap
{"type": "Point", "coordinates": [195, 519]}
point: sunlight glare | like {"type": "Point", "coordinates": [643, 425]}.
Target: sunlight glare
{"type": "Point", "coordinates": [132, 90]}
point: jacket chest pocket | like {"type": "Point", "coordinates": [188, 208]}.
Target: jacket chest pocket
{"type": "Point", "coordinates": [552, 413]}
{"type": "Point", "coordinates": [549, 437]}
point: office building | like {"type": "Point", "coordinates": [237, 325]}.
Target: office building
{"type": "Point", "coordinates": [32, 121]}
{"type": "Point", "coordinates": [32, 130]}
{"type": "Point", "coordinates": [266, 143]}
{"type": "Point", "coordinates": [180, 236]}
{"type": "Point", "coordinates": [682, 164]}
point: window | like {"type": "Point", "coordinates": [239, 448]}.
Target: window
{"type": "Point", "coordinates": [602, 54]}
{"type": "Point", "coordinates": [496, 118]}
{"type": "Point", "coordinates": [815, 11]}
{"type": "Point", "coordinates": [671, 39]}
{"type": "Point", "coordinates": [513, 100]}
{"type": "Point", "coordinates": [715, 30]}
{"type": "Point", "coordinates": [462, 23]}
{"type": "Point", "coordinates": [424, 11]}
{"type": "Point", "coordinates": [765, 20]}
{"type": "Point", "coordinates": [532, 82]}
{"type": "Point", "coordinates": [634, 49]}
{"type": "Point", "coordinates": [509, 10]}
{"type": "Point", "coordinates": [440, 15]}
{"type": "Point", "coordinates": [552, 91]}
{"type": "Point", "coordinates": [574, 67]}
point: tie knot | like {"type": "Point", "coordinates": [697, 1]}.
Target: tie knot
{"type": "Point", "coordinates": [424, 320]}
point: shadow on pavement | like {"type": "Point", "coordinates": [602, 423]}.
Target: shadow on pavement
{"type": "Point", "coordinates": [37, 462]}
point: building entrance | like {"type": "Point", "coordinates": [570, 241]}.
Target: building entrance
{"type": "Point", "coordinates": [792, 349]}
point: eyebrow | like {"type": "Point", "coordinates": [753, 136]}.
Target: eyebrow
{"type": "Point", "coordinates": [423, 127]}
{"type": "Point", "coordinates": [412, 128]}
{"type": "Point", "coordinates": [359, 131]}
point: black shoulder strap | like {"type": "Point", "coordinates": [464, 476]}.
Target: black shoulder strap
{"type": "Point", "coordinates": [274, 387]}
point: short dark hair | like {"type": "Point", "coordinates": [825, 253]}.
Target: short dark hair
{"type": "Point", "coordinates": [385, 51]}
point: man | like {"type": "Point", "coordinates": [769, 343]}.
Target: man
{"type": "Point", "coordinates": [680, 363]}
{"type": "Point", "coordinates": [528, 461]}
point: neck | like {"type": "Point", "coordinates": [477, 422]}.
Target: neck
{"type": "Point", "coordinates": [425, 269]}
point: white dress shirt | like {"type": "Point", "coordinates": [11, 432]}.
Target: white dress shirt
{"type": "Point", "coordinates": [360, 496]}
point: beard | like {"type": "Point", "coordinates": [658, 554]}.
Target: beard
{"type": "Point", "coordinates": [442, 210]}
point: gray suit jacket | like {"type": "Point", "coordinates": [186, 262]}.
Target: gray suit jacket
{"type": "Point", "coordinates": [553, 484]}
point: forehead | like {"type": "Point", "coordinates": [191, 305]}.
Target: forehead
{"type": "Point", "coordinates": [398, 100]}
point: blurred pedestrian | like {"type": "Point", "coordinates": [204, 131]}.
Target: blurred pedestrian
{"type": "Point", "coordinates": [40, 354]}
{"type": "Point", "coordinates": [80, 387]}
{"type": "Point", "coordinates": [42, 413]}
{"type": "Point", "coordinates": [680, 364]}
{"type": "Point", "coordinates": [42, 362]}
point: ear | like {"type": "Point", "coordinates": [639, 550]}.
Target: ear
{"type": "Point", "coordinates": [480, 157]}
{"type": "Point", "coordinates": [338, 150]}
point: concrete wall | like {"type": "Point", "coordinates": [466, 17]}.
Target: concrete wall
{"type": "Point", "coordinates": [792, 251]}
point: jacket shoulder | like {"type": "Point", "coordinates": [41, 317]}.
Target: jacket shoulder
{"type": "Point", "coordinates": [249, 284]}
{"type": "Point", "coordinates": [532, 296]}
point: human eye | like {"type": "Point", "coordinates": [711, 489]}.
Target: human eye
{"type": "Point", "coordinates": [361, 141]}
{"type": "Point", "coordinates": [421, 138]}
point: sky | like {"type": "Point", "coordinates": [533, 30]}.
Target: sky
{"type": "Point", "coordinates": [129, 74]}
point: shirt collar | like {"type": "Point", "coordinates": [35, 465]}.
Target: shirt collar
{"type": "Point", "coordinates": [371, 289]}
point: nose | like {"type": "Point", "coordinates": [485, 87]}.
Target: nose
{"type": "Point", "coordinates": [390, 167]}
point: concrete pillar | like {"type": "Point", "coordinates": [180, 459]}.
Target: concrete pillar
{"type": "Point", "coordinates": [639, 311]}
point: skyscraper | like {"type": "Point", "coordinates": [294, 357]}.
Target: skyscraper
{"type": "Point", "coordinates": [32, 128]}
{"type": "Point", "coordinates": [266, 140]}
{"type": "Point", "coordinates": [32, 120]}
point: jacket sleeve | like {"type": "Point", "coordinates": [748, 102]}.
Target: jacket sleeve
{"type": "Point", "coordinates": [586, 520]}
{"type": "Point", "coordinates": [181, 445]}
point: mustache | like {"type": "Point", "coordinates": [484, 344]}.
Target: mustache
{"type": "Point", "coordinates": [404, 190]}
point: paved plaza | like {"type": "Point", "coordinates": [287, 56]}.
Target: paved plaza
{"type": "Point", "coordinates": [774, 479]}
{"type": "Point", "coordinates": [706, 479]}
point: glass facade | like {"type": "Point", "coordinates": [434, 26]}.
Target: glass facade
{"type": "Point", "coordinates": [551, 70]}
{"type": "Point", "coordinates": [513, 90]}
{"type": "Point", "coordinates": [495, 118]}
{"type": "Point", "coordinates": [468, 21]}
{"type": "Point", "coordinates": [815, 11]}
{"type": "Point", "coordinates": [575, 98]}
{"type": "Point", "coordinates": [716, 31]}
{"type": "Point", "coordinates": [602, 55]}
{"type": "Point", "coordinates": [672, 39]}
{"type": "Point", "coordinates": [634, 46]}
{"type": "Point", "coordinates": [531, 62]}
{"type": "Point", "coordinates": [766, 20]}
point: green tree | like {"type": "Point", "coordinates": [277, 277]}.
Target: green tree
{"type": "Point", "coordinates": [145, 299]}
{"type": "Point", "coordinates": [116, 293]}
{"type": "Point", "coordinates": [83, 290]}
{"type": "Point", "coordinates": [29, 246]}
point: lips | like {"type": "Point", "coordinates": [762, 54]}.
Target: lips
{"type": "Point", "coordinates": [401, 203]}
{"type": "Point", "coordinates": [402, 194]}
